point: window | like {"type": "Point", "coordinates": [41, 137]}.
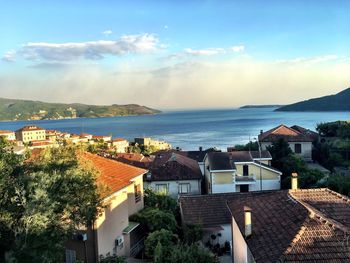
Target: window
{"type": "Point", "coordinates": [245, 170]}
{"type": "Point", "coordinates": [162, 188]}
{"type": "Point", "coordinates": [184, 188]}
{"type": "Point", "coordinates": [297, 148]}
{"type": "Point", "coordinates": [138, 193]}
{"type": "Point", "coordinates": [244, 188]}
{"type": "Point", "coordinates": [71, 256]}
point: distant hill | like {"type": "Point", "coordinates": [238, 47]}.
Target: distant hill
{"type": "Point", "coordinates": [11, 109]}
{"type": "Point", "coordinates": [337, 102]}
{"type": "Point", "coordinates": [260, 106]}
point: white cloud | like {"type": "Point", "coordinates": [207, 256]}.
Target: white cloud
{"type": "Point", "coordinates": [310, 60]}
{"type": "Point", "coordinates": [204, 52]}
{"type": "Point", "coordinates": [92, 50]}
{"type": "Point", "coordinates": [9, 56]}
{"type": "Point", "coordinates": [166, 27]}
{"type": "Point", "coordinates": [107, 32]}
{"type": "Point", "coordinates": [238, 48]}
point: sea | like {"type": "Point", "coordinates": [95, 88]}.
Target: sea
{"type": "Point", "coordinates": [189, 129]}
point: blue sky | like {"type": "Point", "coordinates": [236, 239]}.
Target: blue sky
{"type": "Point", "coordinates": [130, 46]}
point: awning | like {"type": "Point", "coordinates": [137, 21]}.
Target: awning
{"type": "Point", "coordinates": [130, 227]}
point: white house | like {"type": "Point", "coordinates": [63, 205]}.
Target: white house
{"type": "Point", "coordinates": [240, 171]}
{"type": "Point", "coordinates": [174, 174]}
{"type": "Point", "coordinates": [299, 139]}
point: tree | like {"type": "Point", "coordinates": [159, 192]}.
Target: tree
{"type": "Point", "coordinates": [43, 202]}
{"type": "Point", "coordinates": [190, 254]}
{"type": "Point", "coordinates": [164, 237]}
{"type": "Point", "coordinates": [279, 151]}
{"type": "Point", "coordinates": [160, 200]}
{"type": "Point", "coordinates": [250, 146]}
{"type": "Point", "coordinates": [156, 219]}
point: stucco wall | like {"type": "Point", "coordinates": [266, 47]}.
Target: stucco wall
{"type": "Point", "coordinates": [239, 245]}
{"type": "Point", "coordinates": [115, 219]}
{"type": "Point", "coordinates": [255, 169]}
{"type": "Point", "coordinates": [173, 186]}
{"type": "Point", "coordinates": [306, 148]}
{"type": "Point", "coordinates": [223, 178]}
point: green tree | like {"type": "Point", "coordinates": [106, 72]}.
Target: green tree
{"type": "Point", "coordinates": [161, 201]}
{"type": "Point", "coordinates": [156, 219]}
{"type": "Point", "coordinates": [43, 202]}
{"type": "Point", "coordinates": [165, 237]}
{"type": "Point", "coordinates": [250, 146]}
{"type": "Point", "coordinates": [190, 254]}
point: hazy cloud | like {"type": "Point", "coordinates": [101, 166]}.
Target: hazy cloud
{"type": "Point", "coordinates": [204, 52]}
{"type": "Point", "coordinates": [92, 50]}
{"type": "Point", "coordinates": [107, 32]}
{"type": "Point", "coordinates": [310, 60]}
{"type": "Point", "coordinates": [238, 48]}
{"type": "Point", "coordinates": [9, 56]}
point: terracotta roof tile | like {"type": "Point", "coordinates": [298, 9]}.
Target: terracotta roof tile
{"type": "Point", "coordinates": [287, 133]}
{"type": "Point", "coordinates": [288, 225]}
{"type": "Point", "coordinates": [30, 128]}
{"type": "Point", "coordinates": [113, 174]}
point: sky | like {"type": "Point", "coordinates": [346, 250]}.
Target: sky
{"type": "Point", "coordinates": [174, 54]}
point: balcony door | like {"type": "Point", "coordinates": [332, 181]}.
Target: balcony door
{"type": "Point", "coordinates": [245, 170]}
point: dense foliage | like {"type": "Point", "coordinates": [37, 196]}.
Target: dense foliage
{"type": "Point", "coordinates": [11, 109]}
{"type": "Point", "coordinates": [43, 201]}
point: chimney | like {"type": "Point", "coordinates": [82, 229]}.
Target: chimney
{"type": "Point", "coordinates": [247, 221]}
{"type": "Point", "coordinates": [294, 181]}
{"type": "Point", "coordinates": [261, 131]}
{"type": "Point", "coordinates": [200, 148]}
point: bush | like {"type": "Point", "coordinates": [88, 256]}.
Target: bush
{"type": "Point", "coordinates": [165, 238]}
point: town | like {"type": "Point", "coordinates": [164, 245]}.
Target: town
{"type": "Point", "coordinates": [277, 198]}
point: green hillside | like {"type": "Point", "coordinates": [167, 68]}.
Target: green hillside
{"type": "Point", "coordinates": [11, 109]}
{"type": "Point", "coordinates": [337, 102]}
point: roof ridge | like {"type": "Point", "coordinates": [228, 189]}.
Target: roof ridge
{"type": "Point", "coordinates": [111, 159]}
{"type": "Point", "coordinates": [315, 213]}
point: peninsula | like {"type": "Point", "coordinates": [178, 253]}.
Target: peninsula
{"type": "Point", "coordinates": [15, 110]}
{"type": "Point", "coordinates": [337, 102]}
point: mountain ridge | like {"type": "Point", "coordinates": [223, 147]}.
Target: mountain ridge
{"type": "Point", "coordinates": [17, 109]}
{"type": "Point", "coordinates": [336, 102]}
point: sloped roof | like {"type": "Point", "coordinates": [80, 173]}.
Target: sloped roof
{"type": "Point", "coordinates": [5, 131]}
{"type": "Point", "coordinates": [227, 160]}
{"type": "Point", "coordinates": [30, 128]}
{"type": "Point", "coordinates": [283, 228]}
{"type": "Point", "coordinates": [285, 132]}
{"type": "Point", "coordinates": [113, 174]}
{"type": "Point", "coordinates": [173, 166]}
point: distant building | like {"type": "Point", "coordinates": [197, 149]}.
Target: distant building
{"type": "Point", "coordinates": [300, 139]}
{"type": "Point", "coordinates": [297, 225]}
{"type": "Point", "coordinates": [8, 135]}
{"type": "Point", "coordinates": [174, 174]}
{"type": "Point", "coordinates": [31, 133]}
{"type": "Point", "coordinates": [228, 172]}
{"type": "Point", "coordinates": [159, 145]}
{"type": "Point", "coordinates": [120, 145]}
{"type": "Point", "coordinates": [112, 233]}
{"type": "Point", "coordinates": [135, 159]}
{"type": "Point", "coordinates": [104, 138]}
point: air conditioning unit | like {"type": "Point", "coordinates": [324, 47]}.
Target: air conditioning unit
{"type": "Point", "coordinates": [119, 241]}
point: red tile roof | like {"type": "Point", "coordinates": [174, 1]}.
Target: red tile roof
{"type": "Point", "coordinates": [30, 128]}
{"type": "Point", "coordinates": [5, 132]}
{"type": "Point", "coordinates": [310, 225]}
{"type": "Point", "coordinates": [113, 174]}
{"type": "Point", "coordinates": [119, 140]}
{"type": "Point", "coordinates": [287, 133]}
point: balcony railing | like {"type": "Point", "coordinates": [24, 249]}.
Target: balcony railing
{"type": "Point", "coordinates": [245, 179]}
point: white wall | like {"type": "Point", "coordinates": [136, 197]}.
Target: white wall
{"type": "Point", "coordinates": [266, 185]}
{"type": "Point", "coordinates": [225, 235]}
{"type": "Point", "coordinates": [306, 148]}
{"type": "Point", "coordinates": [240, 248]}
{"type": "Point", "coordinates": [173, 186]}
{"type": "Point", "coordinates": [224, 188]}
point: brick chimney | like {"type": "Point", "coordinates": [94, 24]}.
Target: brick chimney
{"type": "Point", "coordinates": [247, 221]}
{"type": "Point", "coordinates": [294, 182]}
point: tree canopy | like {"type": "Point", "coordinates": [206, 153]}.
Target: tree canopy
{"type": "Point", "coordinates": [43, 202]}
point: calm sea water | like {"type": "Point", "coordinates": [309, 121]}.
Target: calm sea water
{"type": "Point", "coordinates": [190, 129]}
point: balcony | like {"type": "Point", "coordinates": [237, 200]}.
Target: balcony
{"type": "Point", "coordinates": [245, 179]}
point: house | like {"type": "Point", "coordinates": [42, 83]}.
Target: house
{"type": "Point", "coordinates": [8, 135]}
{"type": "Point", "coordinates": [174, 174]}
{"type": "Point", "coordinates": [112, 233]}
{"type": "Point", "coordinates": [240, 171]}
{"type": "Point", "coordinates": [149, 142]}
{"type": "Point", "coordinates": [104, 138]}
{"type": "Point", "coordinates": [300, 139]}
{"type": "Point", "coordinates": [31, 133]}
{"type": "Point", "coordinates": [296, 225]}
{"type": "Point", "coordinates": [120, 145]}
